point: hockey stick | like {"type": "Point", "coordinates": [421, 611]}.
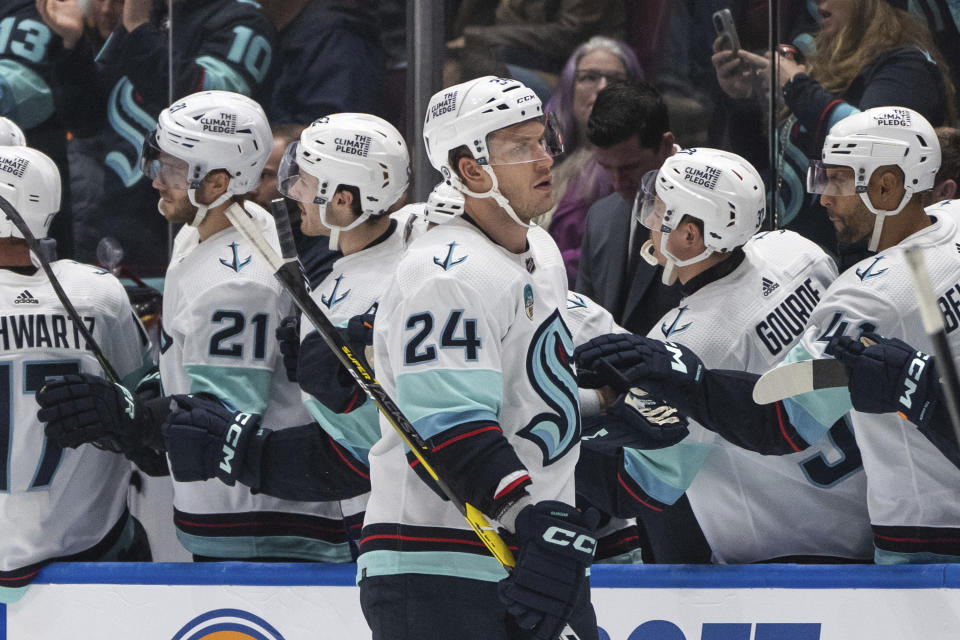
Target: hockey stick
{"type": "Point", "coordinates": [242, 221]}
{"type": "Point", "coordinates": [793, 379]}
{"type": "Point", "coordinates": [933, 325]}
{"type": "Point", "coordinates": [288, 246]}
{"type": "Point", "coordinates": [34, 246]}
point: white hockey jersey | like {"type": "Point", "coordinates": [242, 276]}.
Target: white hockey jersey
{"type": "Point", "coordinates": [913, 490]}
{"type": "Point", "coordinates": [221, 307]}
{"type": "Point", "coordinates": [469, 332]}
{"type": "Point", "coordinates": [55, 502]}
{"type": "Point", "coordinates": [753, 507]}
{"type": "Point", "coordinates": [354, 287]}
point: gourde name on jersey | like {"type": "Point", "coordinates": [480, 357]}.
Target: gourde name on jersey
{"type": "Point", "coordinates": [221, 307]}
{"type": "Point", "coordinates": [753, 507]}
{"type": "Point", "coordinates": [878, 295]}
{"type": "Point", "coordinates": [473, 334]}
{"type": "Point", "coordinates": [58, 502]}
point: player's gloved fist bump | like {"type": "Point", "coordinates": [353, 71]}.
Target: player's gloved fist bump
{"type": "Point", "coordinates": [80, 408]}
{"type": "Point", "coordinates": [887, 376]}
{"type": "Point", "coordinates": [557, 544]}
{"type": "Point", "coordinates": [288, 338]}
{"type": "Point", "coordinates": [320, 373]}
{"type": "Point", "coordinates": [205, 439]}
{"type": "Point", "coordinates": [625, 360]}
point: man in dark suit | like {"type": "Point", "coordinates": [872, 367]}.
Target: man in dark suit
{"type": "Point", "coordinates": [630, 127]}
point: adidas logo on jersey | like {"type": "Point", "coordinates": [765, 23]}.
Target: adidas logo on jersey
{"type": "Point", "coordinates": [26, 298]}
{"type": "Point", "coordinates": [769, 286]}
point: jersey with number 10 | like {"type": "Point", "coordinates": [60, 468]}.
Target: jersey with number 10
{"type": "Point", "coordinates": [469, 333]}
{"type": "Point", "coordinates": [58, 502]}
{"type": "Point", "coordinates": [221, 307]}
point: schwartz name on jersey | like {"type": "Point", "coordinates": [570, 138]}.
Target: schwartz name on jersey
{"type": "Point", "coordinates": [221, 307]}
{"type": "Point", "coordinates": [470, 340]}
{"type": "Point", "coordinates": [54, 502]}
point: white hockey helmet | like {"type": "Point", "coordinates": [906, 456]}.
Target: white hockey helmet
{"type": "Point", "coordinates": [878, 137]}
{"type": "Point", "coordinates": [443, 204]}
{"type": "Point", "coordinates": [30, 181]}
{"type": "Point", "coordinates": [719, 188]}
{"type": "Point", "coordinates": [465, 114]}
{"type": "Point", "coordinates": [207, 131]}
{"type": "Point", "coordinates": [349, 149]}
{"type": "Point", "coordinates": [10, 134]}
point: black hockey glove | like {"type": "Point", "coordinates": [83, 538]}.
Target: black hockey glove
{"type": "Point", "coordinates": [321, 374]}
{"type": "Point", "coordinates": [889, 376]}
{"type": "Point", "coordinates": [288, 337]}
{"type": "Point", "coordinates": [207, 439]}
{"type": "Point", "coordinates": [625, 360]}
{"type": "Point", "coordinates": [80, 408]}
{"type": "Point", "coordinates": [636, 420]}
{"type": "Point", "coordinates": [549, 581]}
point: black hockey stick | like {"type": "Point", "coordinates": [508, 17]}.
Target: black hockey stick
{"type": "Point", "coordinates": [34, 246]}
{"type": "Point", "coordinates": [933, 325]}
{"type": "Point", "coordinates": [487, 534]}
{"type": "Point", "coordinates": [288, 246]}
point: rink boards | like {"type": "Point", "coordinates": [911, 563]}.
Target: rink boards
{"type": "Point", "coordinates": [239, 601]}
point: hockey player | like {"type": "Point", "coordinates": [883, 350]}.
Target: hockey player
{"type": "Point", "coordinates": [220, 305]}
{"type": "Point", "coordinates": [56, 504]}
{"type": "Point", "coordinates": [703, 208]}
{"type": "Point", "coordinates": [875, 166]}
{"type": "Point", "coordinates": [472, 344]}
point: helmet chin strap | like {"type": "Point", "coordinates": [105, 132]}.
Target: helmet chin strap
{"type": "Point", "coordinates": [202, 209]}
{"type": "Point", "coordinates": [493, 192]}
{"type": "Point", "coordinates": [336, 229]}
{"type": "Point", "coordinates": [669, 271]}
{"type": "Point", "coordinates": [881, 215]}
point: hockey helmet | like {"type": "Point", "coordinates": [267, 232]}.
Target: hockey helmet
{"type": "Point", "coordinates": [443, 204]}
{"type": "Point", "coordinates": [347, 149]}
{"type": "Point", "coordinates": [866, 141]}
{"type": "Point", "coordinates": [10, 134]}
{"type": "Point", "coordinates": [30, 181]}
{"type": "Point", "coordinates": [204, 132]}
{"type": "Point", "coordinates": [467, 113]}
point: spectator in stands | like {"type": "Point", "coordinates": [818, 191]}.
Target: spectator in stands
{"type": "Point", "coordinates": [32, 95]}
{"type": "Point", "coordinates": [578, 180]}
{"type": "Point", "coordinates": [102, 18]}
{"type": "Point", "coordinates": [329, 58]}
{"type": "Point", "coordinates": [867, 54]}
{"type": "Point", "coordinates": [218, 44]}
{"type": "Point", "coordinates": [535, 35]}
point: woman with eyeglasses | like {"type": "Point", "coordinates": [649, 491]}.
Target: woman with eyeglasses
{"type": "Point", "coordinates": [578, 180]}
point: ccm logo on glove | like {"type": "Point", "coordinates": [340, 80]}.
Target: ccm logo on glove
{"type": "Point", "coordinates": [914, 371]}
{"type": "Point", "coordinates": [563, 537]}
{"type": "Point", "coordinates": [231, 440]}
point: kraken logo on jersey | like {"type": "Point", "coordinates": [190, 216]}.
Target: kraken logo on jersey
{"type": "Point", "coordinates": [448, 262]}
{"type": "Point", "coordinates": [673, 329]}
{"type": "Point", "coordinates": [866, 274]}
{"type": "Point", "coordinates": [236, 263]}
{"type": "Point", "coordinates": [550, 371]}
{"type": "Point", "coordinates": [333, 298]}
{"type": "Point", "coordinates": [575, 301]}
{"type": "Point", "coordinates": [235, 624]}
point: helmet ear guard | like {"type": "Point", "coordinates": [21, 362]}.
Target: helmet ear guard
{"type": "Point", "coordinates": [875, 138]}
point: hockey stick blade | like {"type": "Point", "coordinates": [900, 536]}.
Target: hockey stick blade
{"type": "Point", "coordinates": [10, 211]}
{"type": "Point", "coordinates": [487, 534]}
{"type": "Point", "coordinates": [793, 379]}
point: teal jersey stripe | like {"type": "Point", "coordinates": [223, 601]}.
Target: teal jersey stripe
{"type": "Point", "coordinates": [221, 77]}
{"type": "Point", "coordinates": [356, 431]}
{"type": "Point", "coordinates": [25, 97]}
{"type": "Point", "coordinates": [664, 474]}
{"type": "Point", "coordinates": [439, 399]}
{"type": "Point", "coordinates": [252, 547]}
{"type": "Point", "coordinates": [813, 413]}
{"type": "Point", "coordinates": [384, 562]}
{"type": "Point", "coordinates": [247, 389]}
{"type": "Point", "coordinates": [880, 556]}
